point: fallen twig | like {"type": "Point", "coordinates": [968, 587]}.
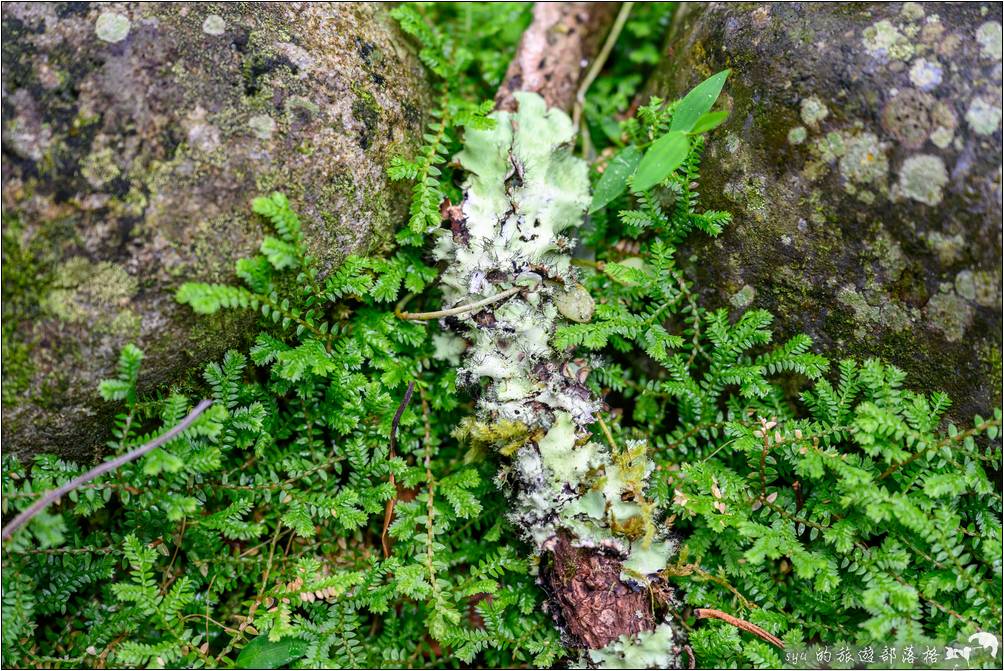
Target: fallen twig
{"type": "Point", "coordinates": [705, 613]}
{"type": "Point", "coordinates": [461, 309]}
{"type": "Point", "coordinates": [55, 494]}
{"type": "Point", "coordinates": [601, 59]}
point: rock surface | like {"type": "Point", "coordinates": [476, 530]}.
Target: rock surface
{"type": "Point", "coordinates": [134, 138]}
{"type": "Point", "coordinates": [862, 162]}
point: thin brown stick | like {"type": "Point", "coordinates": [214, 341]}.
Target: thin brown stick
{"type": "Point", "coordinates": [706, 613]}
{"type": "Point", "coordinates": [388, 515]}
{"type": "Point", "coordinates": [111, 465]}
{"type": "Point", "coordinates": [690, 657]}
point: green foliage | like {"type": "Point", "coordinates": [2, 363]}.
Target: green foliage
{"type": "Point", "coordinates": [254, 538]}
{"type": "Point", "coordinates": [825, 505]}
{"type": "Point", "coordinates": [639, 48]}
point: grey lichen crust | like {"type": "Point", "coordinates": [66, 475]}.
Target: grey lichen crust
{"type": "Point", "coordinates": [525, 195]}
{"type": "Point", "coordinates": [862, 163]}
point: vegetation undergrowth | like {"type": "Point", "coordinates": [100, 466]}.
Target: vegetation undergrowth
{"type": "Point", "coordinates": [296, 524]}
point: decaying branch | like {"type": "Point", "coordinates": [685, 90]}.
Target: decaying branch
{"type": "Point", "coordinates": [555, 52]}
{"type": "Point", "coordinates": [580, 502]}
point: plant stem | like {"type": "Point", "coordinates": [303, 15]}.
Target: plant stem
{"type": "Point", "coordinates": [704, 613]}
{"type": "Point", "coordinates": [460, 309]}
{"type": "Point", "coordinates": [601, 59]}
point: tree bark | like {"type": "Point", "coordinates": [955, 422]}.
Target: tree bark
{"type": "Point", "coordinates": [555, 52]}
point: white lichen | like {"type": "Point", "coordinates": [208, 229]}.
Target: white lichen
{"type": "Point", "coordinates": [523, 196]}
{"type": "Point", "coordinates": [883, 40]}
{"type": "Point", "coordinates": [112, 27]}
{"type": "Point", "coordinates": [651, 650]}
{"type": "Point", "coordinates": [922, 178]}
{"type": "Point", "coordinates": [989, 37]}
{"type": "Point", "coordinates": [262, 125]}
{"type": "Point", "coordinates": [983, 117]}
{"type": "Point", "coordinates": [925, 74]}
{"type": "Point", "coordinates": [813, 111]}
{"type": "Point", "coordinates": [214, 25]}
{"type": "Point", "coordinates": [797, 135]}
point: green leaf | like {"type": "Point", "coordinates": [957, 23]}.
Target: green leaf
{"type": "Point", "coordinates": [614, 179]}
{"type": "Point", "coordinates": [664, 156]}
{"type": "Point", "coordinates": [698, 102]}
{"type": "Point", "coordinates": [262, 653]}
{"type": "Point", "coordinates": [709, 121]}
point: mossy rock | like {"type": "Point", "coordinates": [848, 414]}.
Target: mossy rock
{"type": "Point", "coordinates": [862, 162]}
{"type": "Point", "coordinates": [134, 139]}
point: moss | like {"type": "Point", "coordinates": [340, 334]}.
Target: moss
{"type": "Point", "coordinates": [24, 281]}
{"type": "Point", "coordinates": [166, 187]}
{"type": "Point", "coordinates": [98, 294]}
{"type": "Point", "coordinates": [99, 168]}
{"type": "Point", "coordinates": [813, 252]}
{"type": "Point", "coordinates": [366, 111]}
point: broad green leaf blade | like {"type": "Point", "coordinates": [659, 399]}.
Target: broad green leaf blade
{"type": "Point", "coordinates": [262, 653]}
{"type": "Point", "coordinates": [613, 181]}
{"type": "Point", "coordinates": [662, 158]}
{"type": "Point", "coordinates": [698, 102]}
{"type": "Point", "coordinates": [708, 122]}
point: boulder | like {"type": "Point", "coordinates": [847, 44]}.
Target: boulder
{"type": "Point", "coordinates": [135, 136]}
{"type": "Point", "coordinates": [862, 162]}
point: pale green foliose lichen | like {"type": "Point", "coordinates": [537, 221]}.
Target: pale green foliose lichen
{"type": "Point", "coordinates": [797, 135]}
{"type": "Point", "coordinates": [524, 194]}
{"type": "Point", "coordinates": [650, 650]}
{"type": "Point", "coordinates": [214, 25]}
{"type": "Point", "coordinates": [743, 297]}
{"type": "Point", "coordinates": [989, 37]}
{"type": "Point", "coordinates": [813, 111]}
